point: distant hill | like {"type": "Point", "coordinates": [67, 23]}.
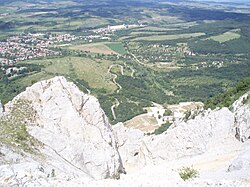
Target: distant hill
{"type": "Point", "coordinates": [224, 1]}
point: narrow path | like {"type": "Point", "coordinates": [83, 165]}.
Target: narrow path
{"type": "Point", "coordinates": [113, 65]}
{"type": "Point", "coordinates": [117, 103]}
{"type": "Point", "coordinates": [118, 85]}
{"type": "Point", "coordinates": [131, 68]}
{"type": "Point", "coordinates": [122, 69]}
{"type": "Point", "coordinates": [133, 71]}
{"type": "Point", "coordinates": [137, 60]}
{"type": "Point", "coordinates": [115, 76]}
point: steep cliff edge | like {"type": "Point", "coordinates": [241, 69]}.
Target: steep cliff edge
{"type": "Point", "coordinates": [52, 134]}
{"type": "Point", "coordinates": [241, 109]}
{"type": "Point", "coordinates": [63, 129]}
{"type": "Point", "coordinates": [215, 142]}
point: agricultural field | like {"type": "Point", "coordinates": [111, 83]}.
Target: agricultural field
{"type": "Point", "coordinates": [117, 47]}
{"type": "Point", "coordinates": [227, 36]}
{"type": "Point", "coordinates": [154, 29]}
{"type": "Point", "coordinates": [101, 48]}
{"type": "Point", "coordinates": [107, 48]}
{"type": "Point", "coordinates": [168, 37]}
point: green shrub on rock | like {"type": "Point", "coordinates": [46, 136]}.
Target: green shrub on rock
{"type": "Point", "coordinates": [188, 173]}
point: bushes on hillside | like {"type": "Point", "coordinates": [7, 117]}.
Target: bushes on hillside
{"type": "Point", "coordinates": [226, 99]}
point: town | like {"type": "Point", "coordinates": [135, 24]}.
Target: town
{"type": "Point", "coordinates": [29, 45]}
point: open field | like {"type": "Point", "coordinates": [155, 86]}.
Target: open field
{"type": "Point", "coordinates": [31, 79]}
{"type": "Point", "coordinates": [227, 36]}
{"type": "Point", "coordinates": [182, 25]}
{"type": "Point", "coordinates": [117, 47]}
{"type": "Point", "coordinates": [91, 71]}
{"type": "Point", "coordinates": [157, 29]}
{"type": "Point", "coordinates": [86, 23]}
{"type": "Point", "coordinates": [145, 33]}
{"type": "Point", "coordinates": [101, 48]}
{"type": "Point", "coordinates": [168, 37]}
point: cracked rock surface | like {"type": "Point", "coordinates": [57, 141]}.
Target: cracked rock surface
{"type": "Point", "coordinates": [75, 134]}
{"type": "Point", "coordinates": [55, 135]}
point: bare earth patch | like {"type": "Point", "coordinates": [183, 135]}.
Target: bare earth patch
{"type": "Point", "coordinates": [143, 122]}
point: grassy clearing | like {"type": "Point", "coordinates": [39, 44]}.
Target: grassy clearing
{"type": "Point", "coordinates": [101, 48]}
{"type": "Point", "coordinates": [13, 130]}
{"type": "Point", "coordinates": [145, 33]}
{"type": "Point", "coordinates": [197, 80]}
{"type": "Point", "coordinates": [94, 22]}
{"type": "Point", "coordinates": [169, 37]}
{"type": "Point", "coordinates": [157, 29]}
{"type": "Point", "coordinates": [117, 47]}
{"type": "Point", "coordinates": [92, 71]}
{"type": "Point", "coordinates": [227, 36]}
{"type": "Point", "coordinates": [95, 73]}
{"type": "Point", "coordinates": [182, 25]}
{"type": "Point", "coordinates": [31, 79]}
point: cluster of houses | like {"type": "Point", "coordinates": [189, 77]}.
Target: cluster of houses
{"type": "Point", "coordinates": [29, 46]}
{"type": "Point", "coordinates": [217, 64]}
{"type": "Point", "coordinates": [163, 53]}
{"type": "Point", "coordinates": [177, 112]}
{"type": "Point", "coordinates": [109, 29]}
{"type": "Point", "coordinates": [62, 38]}
{"type": "Point", "coordinates": [15, 52]}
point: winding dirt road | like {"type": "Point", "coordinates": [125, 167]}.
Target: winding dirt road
{"type": "Point", "coordinates": [117, 103]}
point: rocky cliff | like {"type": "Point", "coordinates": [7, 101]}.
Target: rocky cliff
{"type": "Point", "coordinates": [241, 109]}
{"type": "Point", "coordinates": [68, 131]}
{"type": "Point", "coordinates": [52, 134]}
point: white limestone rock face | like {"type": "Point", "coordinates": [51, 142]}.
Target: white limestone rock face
{"type": "Point", "coordinates": [131, 146]}
{"type": "Point", "coordinates": [242, 118]}
{"type": "Point", "coordinates": [193, 137]}
{"type": "Point", "coordinates": [72, 127]}
{"type": "Point", "coordinates": [242, 162]}
{"type": "Point", "coordinates": [148, 176]}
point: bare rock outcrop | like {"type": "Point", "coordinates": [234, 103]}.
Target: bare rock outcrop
{"type": "Point", "coordinates": [241, 109]}
{"type": "Point", "coordinates": [72, 128]}
{"type": "Point", "coordinates": [193, 137]}
{"type": "Point", "coordinates": [131, 146]}
{"type": "Point", "coordinates": [242, 117]}
{"type": "Point", "coordinates": [55, 135]}
{"type": "Point", "coordinates": [241, 162]}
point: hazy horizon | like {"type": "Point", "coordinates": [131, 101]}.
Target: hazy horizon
{"type": "Point", "coordinates": [235, 1]}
